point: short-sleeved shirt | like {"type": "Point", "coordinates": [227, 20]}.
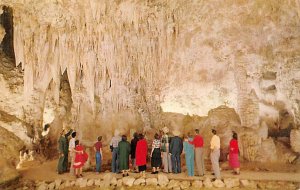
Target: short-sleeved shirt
{"type": "Point", "coordinates": [156, 143]}
{"type": "Point", "coordinates": [98, 146]}
{"type": "Point", "coordinates": [72, 144]}
{"type": "Point", "coordinates": [115, 141]}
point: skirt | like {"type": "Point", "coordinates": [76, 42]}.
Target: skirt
{"type": "Point", "coordinates": [142, 168]}
{"type": "Point", "coordinates": [156, 158]}
{"type": "Point", "coordinates": [234, 160]}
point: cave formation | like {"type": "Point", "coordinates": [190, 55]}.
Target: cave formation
{"type": "Point", "coordinates": [97, 66]}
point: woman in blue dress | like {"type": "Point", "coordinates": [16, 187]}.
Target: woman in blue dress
{"type": "Point", "coordinates": [189, 154]}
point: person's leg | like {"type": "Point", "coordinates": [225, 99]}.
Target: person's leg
{"type": "Point", "coordinates": [114, 161]}
{"type": "Point", "coordinates": [117, 161]}
{"type": "Point", "coordinates": [198, 161]}
{"type": "Point", "coordinates": [165, 162]}
{"type": "Point", "coordinates": [215, 163]}
{"type": "Point", "coordinates": [169, 159]}
{"type": "Point", "coordinates": [178, 162]}
{"type": "Point", "coordinates": [97, 162]}
{"type": "Point", "coordinates": [65, 162]}
{"type": "Point", "coordinates": [173, 163]}
{"type": "Point", "coordinates": [60, 165]}
{"type": "Point", "coordinates": [192, 164]}
{"type": "Point", "coordinates": [80, 171]}
{"type": "Point", "coordinates": [201, 164]}
{"type": "Point", "coordinates": [72, 162]}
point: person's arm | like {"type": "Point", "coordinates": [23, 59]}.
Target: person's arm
{"type": "Point", "coordinates": [101, 153]}
{"type": "Point", "coordinates": [69, 133]}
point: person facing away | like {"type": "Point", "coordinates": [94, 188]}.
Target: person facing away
{"type": "Point", "coordinates": [188, 149]}
{"type": "Point", "coordinates": [133, 147]}
{"type": "Point", "coordinates": [234, 162]}
{"type": "Point", "coordinates": [99, 155]}
{"type": "Point", "coordinates": [215, 153]}
{"type": "Point", "coordinates": [123, 154]}
{"type": "Point", "coordinates": [155, 154]}
{"type": "Point", "coordinates": [114, 148]}
{"type": "Point", "coordinates": [141, 155]}
{"type": "Point", "coordinates": [199, 156]}
{"type": "Point", "coordinates": [72, 151]}
{"type": "Point", "coordinates": [176, 148]}
{"type": "Point", "coordinates": [80, 159]}
{"type": "Point", "coordinates": [166, 157]}
{"type": "Point", "coordinates": [63, 149]}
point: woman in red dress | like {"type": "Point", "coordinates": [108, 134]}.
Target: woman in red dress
{"type": "Point", "coordinates": [80, 158]}
{"type": "Point", "coordinates": [234, 162]}
{"type": "Point", "coordinates": [141, 155]}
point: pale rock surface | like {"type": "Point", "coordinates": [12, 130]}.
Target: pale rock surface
{"type": "Point", "coordinates": [107, 179]}
{"type": "Point", "coordinates": [113, 181]}
{"type": "Point", "coordinates": [207, 183]}
{"type": "Point", "coordinates": [295, 140]}
{"type": "Point", "coordinates": [197, 184]}
{"type": "Point", "coordinates": [57, 183]}
{"type": "Point", "coordinates": [42, 186]}
{"type": "Point", "coordinates": [185, 184]}
{"type": "Point", "coordinates": [51, 186]}
{"type": "Point", "coordinates": [218, 183]}
{"type": "Point", "coordinates": [151, 181]}
{"type": "Point", "coordinates": [139, 181]}
{"type": "Point", "coordinates": [173, 184]}
{"type": "Point", "coordinates": [119, 182]}
{"type": "Point", "coordinates": [90, 182]}
{"type": "Point", "coordinates": [232, 182]}
{"type": "Point", "coordinates": [128, 181]}
{"type": "Point", "coordinates": [162, 180]}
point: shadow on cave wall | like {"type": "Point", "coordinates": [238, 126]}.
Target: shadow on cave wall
{"type": "Point", "coordinates": [6, 20]}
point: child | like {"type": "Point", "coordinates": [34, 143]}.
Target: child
{"type": "Point", "coordinates": [99, 155]}
{"type": "Point", "coordinates": [80, 159]}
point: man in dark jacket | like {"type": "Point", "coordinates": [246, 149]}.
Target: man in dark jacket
{"type": "Point", "coordinates": [176, 147]}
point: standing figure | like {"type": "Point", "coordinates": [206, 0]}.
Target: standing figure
{"type": "Point", "coordinates": [234, 162]}
{"type": "Point", "coordinates": [215, 153]}
{"type": "Point", "coordinates": [80, 159]}
{"type": "Point", "coordinates": [132, 154]}
{"type": "Point", "coordinates": [99, 155]}
{"type": "Point", "coordinates": [176, 148]}
{"type": "Point", "coordinates": [189, 154]}
{"type": "Point", "coordinates": [156, 154]}
{"type": "Point", "coordinates": [72, 151]}
{"type": "Point", "coordinates": [63, 150]}
{"type": "Point", "coordinates": [141, 155]}
{"type": "Point", "coordinates": [123, 154]}
{"type": "Point", "coordinates": [166, 157]}
{"type": "Point", "coordinates": [199, 157]}
{"type": "Point", "coordinates": [114, 148]}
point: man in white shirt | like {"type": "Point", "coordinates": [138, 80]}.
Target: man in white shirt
{"type": "Point", "coordinates": [72, 151]}
{"type": "Point", "coordinates": [215, 153]}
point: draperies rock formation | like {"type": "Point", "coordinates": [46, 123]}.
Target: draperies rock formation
{"type": "Point", "coordinates": [101, 65]}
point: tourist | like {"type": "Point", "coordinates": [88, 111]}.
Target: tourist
{"type": "Point", "coordinates": [166, 157]}
{"type": "Point", "coordinates": [141, 155]}
{"type": "Point", "coordinates": [123, 152]}
{"type": "Point", "coordinates": [72, 151]}
{"type": "Point", "coordinates": [176, 148]}
{"type": "Point", "coordinates": [132, 154]}
{"type": "Point", "coordinates": [63, 150]}
{"type": "Point", "coordinates": [189, 154]}
{"type": "Point", "coordinates": [234, 154]}
{"type": "Point", "coordinates": [80, 159]}
{"type": "Point", "coordinates": [99, 155]}
{"type": "Point", "coordinates": [199, 157]}
{"type": "Point", "coordinates": [215, 153]}
{"type": "Point", "coordinates": [114, 148]}
{"type": "Point", "coordinates": [156, 154]}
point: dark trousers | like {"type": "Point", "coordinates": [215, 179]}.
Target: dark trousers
{"type": "Point", "coordinates": [176, 167]}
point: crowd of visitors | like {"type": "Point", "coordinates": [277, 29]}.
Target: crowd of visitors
{"type": "Point", "coordinates": [165, 153]}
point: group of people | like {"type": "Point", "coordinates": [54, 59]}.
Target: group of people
{"type": "Point", "coordinates": [165, 153]}
{"type": "Point", "coordinates": [72, 149]}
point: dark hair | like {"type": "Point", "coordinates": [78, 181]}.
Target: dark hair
{"type": "Point", "coordinates": [46, 127]}
{"type": "Point", "coordinates": [73, 135]}
{"type": "Point", "coordinates": [234, 135]}
{"type": "Point", "coordinates": [156, 136]}
{"type": "Point", "coordinates": [135, 135]}
{"type": "Point", "coordinates": [99, 138]}
{"type": "Point", "coordinates": [214, 131]}
{"type": "Point", "coordinates": [189, 134]}
{"type": "Point", "coordinates": [124, 138]}
{"type": "Point", "coordinates": [141, 136]}
{"type": "Point", "coordinates": [76, 142]}
{"type": "Point", "coordinates": [197, 131]}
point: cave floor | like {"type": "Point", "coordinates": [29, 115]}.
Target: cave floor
{"type": "Point", "coordinates": [47, 172]}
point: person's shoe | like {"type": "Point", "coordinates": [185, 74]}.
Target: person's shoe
{"type": "Point", "coordinates": [213, 179]}
{"type": "Point", "coordinates": [212, 173]}
{"type": "Point", "coordinates": [156, 172]}
{"type": "Point", "coordinates": [77, 176]}
{"type": "Point", "coordinates": [127, 174]}
{"type": "Point", "coordinates": [80, 175]}
{"type": "Point", "coordinates": [153, 173]}
{"type": "Point", "coordinates": [123, 175]}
